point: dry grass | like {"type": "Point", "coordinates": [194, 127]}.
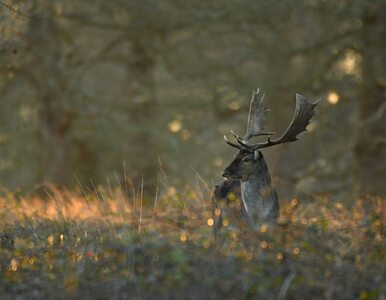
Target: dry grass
{"type": "Point", "coordinates": [110, 243]}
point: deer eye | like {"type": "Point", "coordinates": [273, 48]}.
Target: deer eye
{"type": "Point", "coordinates": [246, 159]}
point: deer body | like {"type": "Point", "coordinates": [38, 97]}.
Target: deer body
{"type": "Point", "coordinates": [259, 197]}
{"type": "Point", "coordinates": [260, 200]}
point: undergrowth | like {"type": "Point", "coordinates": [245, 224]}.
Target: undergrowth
{"type": "Point", "coordinates": [113, 244]}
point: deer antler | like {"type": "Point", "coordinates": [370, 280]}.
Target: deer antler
{"type": "Point", "coordinates": [240, 147]}
{"type": "Point", "coordinates": [256, 117]}
{"type": "Point", "coordinates": [255, 125]}
{"type": "Point", "coordinates": [304, 111]}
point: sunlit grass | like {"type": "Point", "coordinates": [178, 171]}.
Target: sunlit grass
{"type": "Point", "coordinates": [99, 241]}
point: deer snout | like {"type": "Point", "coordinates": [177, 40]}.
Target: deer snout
{"type": "Point", "coordinates": [226, 173]}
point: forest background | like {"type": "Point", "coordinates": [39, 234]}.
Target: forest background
{"type": "Point", "coordinates": [89, 89]}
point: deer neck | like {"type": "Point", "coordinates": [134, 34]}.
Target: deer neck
{"type": "Point", "coordinates": [257, 193]}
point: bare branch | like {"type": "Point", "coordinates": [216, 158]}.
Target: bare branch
{"type": "Point", "coordinates": [86, 20]}
{"type": "Point", "coordinates": [375, 116]}
{"type": "Point", "coordinates": [321, 44]}
{"type": "Point", "coordinates": [16, 11]}
{"type": "Point", "coordinates": [286, 284]}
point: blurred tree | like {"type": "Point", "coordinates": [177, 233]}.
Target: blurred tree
{"type": "Point", "coordinates": [46, 66]}
{"type": "Point", "coordinates": [116, 81]}
{"type": "Point", "coordinates": [370, 148]}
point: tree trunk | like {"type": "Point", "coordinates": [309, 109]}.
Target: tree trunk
{"type": "Point", "coordinates": [370, 148]}
{"type": "Point", "coordinates": [142, 112]}
{"type": "Point", "coordinates": [46, 59]}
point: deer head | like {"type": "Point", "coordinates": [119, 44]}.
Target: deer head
{"type": "Point", "coordinates": [249, 159]}
{"type": "Point", "coordinates": [244, 164]}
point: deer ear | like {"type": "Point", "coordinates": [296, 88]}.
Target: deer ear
{"type": "Point", "coordinates": [256, 155]}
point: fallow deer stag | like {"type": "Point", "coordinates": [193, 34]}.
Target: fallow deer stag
{"type": "Point", "coordinates": [247, 175]}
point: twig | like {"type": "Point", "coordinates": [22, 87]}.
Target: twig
{"type": "Point", "coordinates": [81, 186]}
{"type": "Point", "coordinates": [286, 284]}
{"type": "Point", "coordinates": [16, 11]}
{"type": "Point", "coordinates": [321, 44]}
{"type": "Point", "coordinates": [155, 199]}
{"type": "Point", "coordinates": [121, 197]}
{"type": "Point", "coordinates": [375, 116]}
{"type": "Point", "coordinates": [140, 209]}
{"type": "Point", "coordinates": [201, 179]}
{"type": "Point", "coordinates": [162, 170]}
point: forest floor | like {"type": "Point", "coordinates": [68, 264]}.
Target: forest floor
{"type": "Point", "coordinates": [108, 245]}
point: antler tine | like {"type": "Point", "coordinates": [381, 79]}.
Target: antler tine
{"type": "Point", "coordinates": [243, 143]}
{"type": "Point", "coordinates": [237, 137]}
{"type": "Point", "coordinates": [304, 111]}
{"type": "Point", "coordinates": [255, 117]}
{"type": "Point", "coordinates": [232, 144]}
